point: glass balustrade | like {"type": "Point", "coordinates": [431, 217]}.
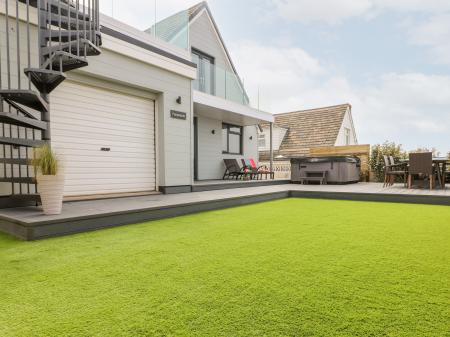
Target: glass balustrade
{"type": "Point", "coordinates": [217, 81]}
{"type": "Point", "coordinates": [174, 29]}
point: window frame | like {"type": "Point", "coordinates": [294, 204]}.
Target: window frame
{"type": "Point", "coordinates": [262, 137]}
{"type": "Point", "coordinates": [228, 126]}
{"type": "Point", "coordinates": [201, 71]}
{"type": "Point", "coordinates": [347, 134]}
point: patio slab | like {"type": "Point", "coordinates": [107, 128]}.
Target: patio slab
{"type": "Point", "coordinates": [29, 223]}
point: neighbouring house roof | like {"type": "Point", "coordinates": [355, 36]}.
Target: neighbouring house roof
{"type": "Point", "coordinates": [308, 129]}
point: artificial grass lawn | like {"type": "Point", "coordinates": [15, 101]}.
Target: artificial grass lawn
{"type": "Point", "coordinates": [291, 267]}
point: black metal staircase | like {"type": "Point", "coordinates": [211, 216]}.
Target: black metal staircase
{"type": "Point", "coordinates": [68, 32]}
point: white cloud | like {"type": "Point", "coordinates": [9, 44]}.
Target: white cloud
{"type": "Point", "coordinates": [410, 108]}
{"type": "Point", "coordinates": [434, 33]}
{"type": "Point", "coordinates": [334, 12]}
{"type": "Point", "coordinates": [330, 11]}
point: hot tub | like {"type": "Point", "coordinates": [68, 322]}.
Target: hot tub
{"type": "Point", "coordinates": [340, 169]}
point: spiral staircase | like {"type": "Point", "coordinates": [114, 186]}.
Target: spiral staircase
{"type": "Point", "coordinates": [68, 33]}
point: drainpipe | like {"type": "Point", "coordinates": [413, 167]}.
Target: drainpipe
{"type": "Point", "coordinates": [271, 148]}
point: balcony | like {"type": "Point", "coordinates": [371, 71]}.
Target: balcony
{"type": "Point", "coordinates": [216, 81]}
{"type": "Point", "coordinates": [174, 30]}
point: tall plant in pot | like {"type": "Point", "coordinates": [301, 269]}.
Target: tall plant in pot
{"type": "Point", "coordinates": [50, 179]}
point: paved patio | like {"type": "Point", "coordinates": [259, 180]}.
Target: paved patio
{"type": "Point", "coordinates": [79, 216]}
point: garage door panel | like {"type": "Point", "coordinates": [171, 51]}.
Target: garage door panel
{"type": "Point", "coordinates": [97, 134]}
{"type": "Point", "coordinates": [85, 119]}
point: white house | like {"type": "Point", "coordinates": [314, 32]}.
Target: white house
{"type": "Point", "coordinates": [294, 133]}
{"type": "Point", "coordinates": [154, 111]}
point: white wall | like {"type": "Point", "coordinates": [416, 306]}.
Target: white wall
{"type": "Point", "coordinates": [210, 156]}
{"type": "Point", "coordinates": [347, 123]}
{"type": "Point", "coordinates": [122, 64]}
{"type": "Point", "coordinates": [204, 38]}
{"type": "Point", "coordinates": [277, 135]}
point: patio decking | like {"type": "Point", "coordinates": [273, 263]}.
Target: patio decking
{"type": "Point", "coordinates": [79, 216]}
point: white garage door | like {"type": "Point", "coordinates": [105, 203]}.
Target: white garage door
{"type": "Point", "coordinates": [105, 138]}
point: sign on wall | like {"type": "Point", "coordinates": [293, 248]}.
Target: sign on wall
{"type": "Point", "coordinates": [178, 114]}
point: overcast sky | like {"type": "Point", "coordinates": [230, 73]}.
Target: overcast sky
{"type": "Point", "coordinates": [389, 58]}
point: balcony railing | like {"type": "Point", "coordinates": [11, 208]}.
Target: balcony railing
{"type": "Point", "coordinates": [221, 83]}
{"type": "Point", "coordinates": [174, 30]}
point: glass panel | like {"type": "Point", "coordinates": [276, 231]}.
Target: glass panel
{"type": "Point", "coordinates": [174, 29]}
{"type": "Point", "coordinates": [224, 139]}
{"type": "Point", "coordinates": [262, 141]}
{"type": "Point", "coordinates": [207, 76]}
{"type": "Point", "coordinates": [235, 143]}
{"type": "Point", "coordinates": [196, 60]}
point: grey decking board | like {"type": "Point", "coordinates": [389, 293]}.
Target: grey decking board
{"type": "Point", "coordinates": [29, 223]}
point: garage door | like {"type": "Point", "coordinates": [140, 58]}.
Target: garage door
{"type": "Point", "coordinates": [105, 138]}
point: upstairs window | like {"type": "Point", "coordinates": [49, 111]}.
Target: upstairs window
{"type": "Point", "coordinates": [232, 139]}
{"type": "Point", "coordinates": [347, 136]}
{"type": "Point", "coordinates": [262, 141]}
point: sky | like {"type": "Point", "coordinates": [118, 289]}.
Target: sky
{"type": "Point", "coordinates": [390, 59]}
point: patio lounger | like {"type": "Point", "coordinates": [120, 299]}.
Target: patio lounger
{"type": "Point", "coordinates": [260, 171]}
{"type": "Point", "coordinates": [393, 170]}
{"type": "Point", "coordinates": [233, 170]}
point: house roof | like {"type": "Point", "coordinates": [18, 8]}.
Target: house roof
{"type": "Point", "coordinates": [308, 129]}
{"type": "Point", "coordinates": [193, 12]}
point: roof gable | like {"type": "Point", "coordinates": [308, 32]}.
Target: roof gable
{"type": "Point", "coordinates": [310, 128]}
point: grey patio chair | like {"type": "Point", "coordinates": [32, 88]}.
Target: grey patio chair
{"type": "Point", "coordinates": [233, 170]}
{"type": "Point", "coordinates": [421, 165]}
{"type": "Point", "coordinates": [393, 170]}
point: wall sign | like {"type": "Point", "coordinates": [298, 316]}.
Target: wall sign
{"type": "Point", "coordinates": [178, 114]}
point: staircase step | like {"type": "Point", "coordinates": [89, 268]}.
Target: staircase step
{"type": "Point", "coordinates": [63, 22]}
{"type": "Point", "coordinates": [69, 61]}
{"type": "Point", "coordinates": [28, 98]}
{"type": "Point", "coordinates": [66, 8]}
{"type": "Point", "coordinates": [73, 48]}
{"type": "Point", "coordinates": [45, 80]}
{"type": "Point", "coordinates": [18, 180]}
{"type": "Point", "coordinates": [15, 161]}
{"type": "Point", "coordinates": [22, 110]}
{"type": "Point", "coordinates": [6, 117]}
{"type": "Point", "coordinates": [53, 35]}
{"type": "Point", "coordinates": [21, 142]}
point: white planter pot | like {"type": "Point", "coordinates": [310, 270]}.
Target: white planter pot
{"type": "Point", "coordinates": [51, 190]}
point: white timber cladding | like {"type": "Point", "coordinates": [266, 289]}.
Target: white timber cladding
{"type": "Point", "coordinates": [278, 135]}
{"type": "Point", "coordinates": [347, 124]}
{"type": "Point", "coordinates": [210, 156]}
{"type": "Point", "coordinates": [105, 139]}
{"type": "Point", "coordinates": [203, 37]}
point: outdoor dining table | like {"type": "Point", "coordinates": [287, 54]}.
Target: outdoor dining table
{"type": "Point", "coordinates": [441, 167]}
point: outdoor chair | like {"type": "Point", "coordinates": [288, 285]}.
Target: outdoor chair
{"type": "Point", "coordinates": [393, 170]}
{"type": "Point", "coordinates": [258, 171]}
{"type": "Point", "coordinates": [233, 170]}
{"type": "Point", "coordinates": [421, 165]}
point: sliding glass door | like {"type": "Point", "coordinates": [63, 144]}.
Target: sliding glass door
{"type": "Point", "coordinates": [205, 72]}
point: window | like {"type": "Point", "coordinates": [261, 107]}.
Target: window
{"type": "Point", "coordinates": [261, 141]}
{"type": "Point", "coordinates": [347, 136]}
{"type": "Point", "coordinates": [205, 72]}
{"type": "Point", "coordinates": [231, 139]}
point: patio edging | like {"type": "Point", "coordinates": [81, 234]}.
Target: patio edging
{"type": "Point", "coordinates": [79, 224]}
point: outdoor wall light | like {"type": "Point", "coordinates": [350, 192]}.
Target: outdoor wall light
{"type": "Point", "coordinates": [213, 132]}
{"type": "Point", "coordinates": [251, 138]}
{"type": "Point", "coordinates": [179, 100]}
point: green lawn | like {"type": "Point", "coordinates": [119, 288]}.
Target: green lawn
{"type": "Point", "coordinates": [292, 267]}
